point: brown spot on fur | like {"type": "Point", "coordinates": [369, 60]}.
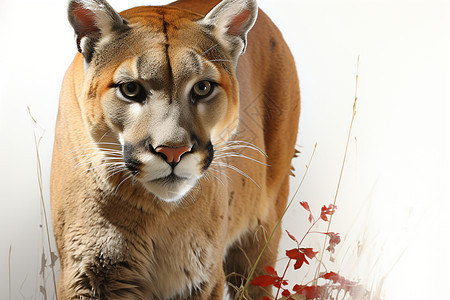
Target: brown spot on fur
{"type": "Point", "coordinates": [231, 198]}
{"type": "Point", "coordinates": [272, 44]}
{"type": "Point", "coordinates": [187, 273]}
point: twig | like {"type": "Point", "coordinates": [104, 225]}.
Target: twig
{"type": "Point", "coordinates": [340, 175]}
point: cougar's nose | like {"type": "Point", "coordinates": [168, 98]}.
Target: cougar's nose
{"type": "Point", "coordinates": [172, 154]}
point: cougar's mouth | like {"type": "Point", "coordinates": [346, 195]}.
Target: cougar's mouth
{"type": "Point", "coordinates": [169, 180]}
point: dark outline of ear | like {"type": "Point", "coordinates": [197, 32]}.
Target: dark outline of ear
{"type": "Point", "coordinates": [92, 19]}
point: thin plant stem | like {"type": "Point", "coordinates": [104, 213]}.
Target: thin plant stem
{"type": "Point", "coordinates": [308, 232]}
{"type": "Point", "coordinates": [341, 172]}
{"type": "Point", "coordinates": [282, 277]}
{"type": "Point", "coordinates": [39, 176]}
{"type": "Point", "coordinates": [252, 271]}
{"type": "Point", "coordinates": [9, 271]}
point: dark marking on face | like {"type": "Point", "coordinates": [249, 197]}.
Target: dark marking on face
{"type": "Point", "coordinates": [141, 65]}
{"type": "Point", "coordinates": [209, 27]}
{"type": "Point", "coordinates": [130, 162]}
{"type": "Point", "coordinates": [169, 65]}
{"type": "Point", "coordinates": [147, 145]}
{"type": "Point", "coordinates": [195, 64]}
{"type": "Point", "coordinates": [92, 91]}
{"type": "Point", "coordinates": [209, 157]}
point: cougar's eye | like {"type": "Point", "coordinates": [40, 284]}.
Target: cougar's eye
{"type": "Point", "coordinates": [202, 89]}
{"type": "Point", "coordinates": [133, 91]}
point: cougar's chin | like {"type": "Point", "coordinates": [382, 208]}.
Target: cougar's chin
{"type": "Point", "coordinates": [171, 188]}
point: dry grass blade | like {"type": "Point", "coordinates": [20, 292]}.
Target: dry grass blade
{"type": "Point", "coordinates": [37, 141]}
{"type": "Point", "coordinates": [341, 172]}
{"type": "Point", "coordinates": [252, 271]}
{"type": "Point", "coordinates": [9, 271]}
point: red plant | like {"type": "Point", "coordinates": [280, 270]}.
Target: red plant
{"type": "Point", "coordinates": [300, 256]}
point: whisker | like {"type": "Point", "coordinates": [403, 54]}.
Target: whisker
{"type": "Point", "coordinates": [95, 148]}
{"type": "Point", "coordinates": [237, 147]}
{"type": "Point", "coordinates": [91, 155]}
{"type": "Point", "coordinates": [239, 144]}
{"type": "Point", "coordinates": [128, 177]}
{"type": "Point", "coordinates": [99, 165]}
{"type": "Point", "coordinates": [204, 62]}
{"type": "Point", "coordinates": [109, 143]}
{"type": "Point", "coordinates": [193, 48]}
{"type": "Point", "coordinates": [126, 44]}
{"type": "Point", "coordinates": [108, 150]}
{"type": "Point", "coordinates": [109, 167]}
{"type": "Point", "coordinates": [95, 144]}
{"type": "Point", "coordinates": [209, 49]}
{"type": "Point", "coordinates": [222, 164]}
{"type": "Point", "coordinates": [234, 154]}
{"type": "Point", "coordinates": [105, 134]}
{"type": "Point", "coordinates": [211, 174]}
{"type": "Point", "coordinates": [116, 171]}
{"type": "Point", "coordinates": [218, 171]}
{"type": "Point", "coordinates": [103, 161]}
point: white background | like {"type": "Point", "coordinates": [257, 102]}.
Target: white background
{"type": "Point", "coordinates": [393, 202]}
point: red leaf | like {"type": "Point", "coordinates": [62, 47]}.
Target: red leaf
{"type": "Point", "coordinates": [336, 278]}
{"type": "Point", "coordinates": [334, 240]}
{"type": "Point", "coordinates": [305, 205]}
{"type": "Point", "coordinates": [266, 298]}
{"type": "Point", "coordinates": [286, 293]}
{"type": "Point", "coordinates": [292, 237]}
{"type": "Point", "coordinates": [263, 281]}
{"type": "Point", "coordinates": [352, 287]}
{"type": "Point", "coordinates": [327, 211]}
{"type": "Point", "coordinates": [310, 292]}
{"type": "Point", "coordinates": [298, 264]}
{"type": "Point", "coordinates": [277, 284]}
{"type": "Point", "coordinates": [293, 253]}
{"type": "Point", "coordinates": [298, 256]}
{"type": "Point", "coordinates": [270, 270]}
{"type": "Point", "coordinates": [309, 252]}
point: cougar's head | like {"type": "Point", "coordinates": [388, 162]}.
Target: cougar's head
{"type": "Point", "coordinates": [160, 81]}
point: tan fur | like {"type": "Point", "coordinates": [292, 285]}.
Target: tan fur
{"type": "Point", "coordinates": [115, 239]}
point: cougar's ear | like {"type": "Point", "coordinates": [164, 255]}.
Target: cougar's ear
{"type": "Point", "coordinates": [230, 21]}
{"type": "Point", "coordinates": [92, 20]}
